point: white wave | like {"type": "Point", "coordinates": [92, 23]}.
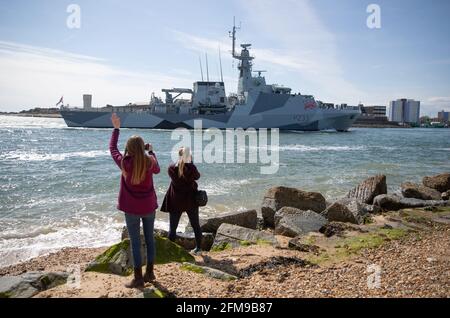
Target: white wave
{"type": "Point", "coordinates": [384, 147]}
{"type": "Point", "coordinates": [8, 122]}
{"type": "Point", "coordinates": [442, 149]}
{"type": "Point", "coordinates": [224, 186]}
{"type": "Point", "coordinates": [18, 247]}
{"type": "Point", "coordinates": [14, 234]}
{"type": "Point", "coordinates": [305, 148]}
{"type": "Point", "coordinates": [21, 155]}
{"type": "Point", "coordinates": [19, 243]}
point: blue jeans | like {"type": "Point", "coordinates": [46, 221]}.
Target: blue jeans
{"type": "Point", "coordinates": [134, 230]}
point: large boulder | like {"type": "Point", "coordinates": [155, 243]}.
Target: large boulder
{"type": "Point", "coordinates": [440, 182]}
{"type": "Point", "coordinates": [114, 260]}
{"type": "Point", "coordinates": [367, 190]}
{"type": "Point", "coordinates": [230, 236]}
{"type": "Point", "coordinates": [349, 210]}
{"type": "Point", "coordinates": [186, 240]}
{"type": "Point", "coordinates": [389, 202]}
{"type": "Point", "coordinates": [416, 191]}
{"type": "Point", "coordinates": [118, 258]}
{"type": "Point", "coordinates": [246, 219]}
{"type": "Point", "coordinates": [292, 222]}
{"type": "Point", "coordinates": [279, 197]}
{"type": "Point", "coordinates": [394, 202]}
{"type": "Point", "coordinates": [29, 284]}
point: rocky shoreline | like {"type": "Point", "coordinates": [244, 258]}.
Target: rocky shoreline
{"type": "Point", "coordinates": [297, 245]}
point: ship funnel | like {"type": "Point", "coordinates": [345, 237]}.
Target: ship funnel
{"type": "Point", "coordinates": [87, 101]}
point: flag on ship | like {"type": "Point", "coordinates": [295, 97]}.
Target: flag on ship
{"type": "Point", "coordinates": [60, 101]}
{"type": "Point", "coordinates": [310, 105]}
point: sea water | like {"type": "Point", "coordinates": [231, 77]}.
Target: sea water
{"type": "Point", "coordinates": [59, 185]}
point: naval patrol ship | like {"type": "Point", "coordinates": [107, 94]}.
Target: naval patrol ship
{"type": "Point", "coordinates": [255, 105]}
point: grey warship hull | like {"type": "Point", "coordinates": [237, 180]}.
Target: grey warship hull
{"type": "Point", "coordinates": [291, 115]}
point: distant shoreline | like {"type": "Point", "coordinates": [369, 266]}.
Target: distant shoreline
{"type": "Point", "coordinates": [379, 126]}
{"type": "Point", "coordinates": [57, 115]}
{"type": "Point", "coordinates": [32, 115]}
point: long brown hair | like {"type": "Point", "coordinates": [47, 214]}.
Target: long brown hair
{"type": "Point", "coordinates": [141, 162]}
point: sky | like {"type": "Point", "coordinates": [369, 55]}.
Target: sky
{"type": "Point", "coordinates": [125, 50]}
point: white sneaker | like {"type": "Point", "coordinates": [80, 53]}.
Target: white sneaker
{"type": "Point", "coordinates": [196, 251]}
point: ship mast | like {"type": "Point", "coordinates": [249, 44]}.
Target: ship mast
{"type": "Point", "coordinates": [245, 62]}
{"type": "Point", "coordinates": [201, 68]}
{"type": "Point", "coordinates": [233, 36]}
{"type": "Point", "coordinates": [220, 63]}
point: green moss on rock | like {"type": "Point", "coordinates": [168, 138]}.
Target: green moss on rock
{"type": "Point", "coordinates": [368, 219]}
{"type": "Point", "coordinates": [116, 259]}
{"type": "Point", "coordinates": [192, 268]}
{"type": "Point", "coordinates": [353, 245]}
{"type": "Point", "coordinates": [168, 251]}
{"type": "Point", "coordinates": [393, 234]}
{"type": "Point", "coordinates": [264, 242]}
{"type": "Point", "coordinates": [104, 261]}
{"type": "Point", "coordinates": [45, 281]}
{"type": "Point", "coordinates": [245, 243]}
{"type": "Point", "coordinates": [319, 259]}
{"type": "Point", "coordinates": [153, 293]}
{"type": "Point", "coordinates": [5, 295]}
{"type": "Point", "coordinates": [222, 247]}
{"type": "Point", "coordinates": [349, 246]}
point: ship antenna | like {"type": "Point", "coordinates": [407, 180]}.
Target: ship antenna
{"type": "Point", "coordinates": [201, 69]}
{"type": "Point", "coordinates": [207, 71]}
{"type": "Point", "coordinates": [220, 63]}
{"type": "Point", "coordinates": [232, 35]}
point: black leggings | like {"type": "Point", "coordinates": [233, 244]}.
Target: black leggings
{"type": "Point", "coordinates": [193, 219]}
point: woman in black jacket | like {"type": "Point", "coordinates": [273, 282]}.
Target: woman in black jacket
{"type": "Point", "coordinates": [180, 197]}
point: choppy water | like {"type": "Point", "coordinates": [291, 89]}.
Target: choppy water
{"type": "Point", "coordinates": [58, 185]}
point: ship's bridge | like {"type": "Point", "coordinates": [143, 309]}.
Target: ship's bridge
{"type": "Point", "coordinates": [209, 97]}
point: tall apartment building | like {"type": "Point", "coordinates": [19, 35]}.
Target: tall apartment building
{"type": "Point", "coordinates": [404, 111]}
{"type": "Point", "coordinates": [443, 116]}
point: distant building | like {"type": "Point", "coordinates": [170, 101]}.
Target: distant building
{"type": "Point", "coordinates": [404, 111]}
{"type": "Point", "coordinates": [371, 116]}
{"type": "Point", "coordinates": [374, 111]}
{"type": "Point", "coordinates": [87, 101]}
{"type": "Point", "coordinates": [443, 117]}
{"type": "Point", "coordinates": [396, 111]}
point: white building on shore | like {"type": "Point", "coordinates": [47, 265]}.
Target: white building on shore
{"type": "Point", "coordinates": [405, 111]}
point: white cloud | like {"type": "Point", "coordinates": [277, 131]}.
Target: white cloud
{"type": "Point", "coordinates": [439, 100]}
{"type": "Point", "coordinates": [308, 47]}
{"type": "Point", "coordinates": [305, 50]}
{"type": "Point", "coordinates": [432, 105]}
{"type": "Point", "coordinates": [36, 77]}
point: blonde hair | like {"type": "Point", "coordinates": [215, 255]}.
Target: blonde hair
{"type": "Point", "coordinates": [184, 153]}
{"type": "Point", "coordinates": [141, 162]}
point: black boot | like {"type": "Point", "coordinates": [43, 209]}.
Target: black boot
{"type": "Point", "coordinates": [149, 274]}
{"type": "Point", "coordinates": [138, 280]}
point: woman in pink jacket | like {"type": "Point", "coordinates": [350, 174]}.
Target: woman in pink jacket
{"type": "Point", "coordinates": [137, 198]}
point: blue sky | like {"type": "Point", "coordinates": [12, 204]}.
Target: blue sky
{"type": "Point", "coordinates": [125, 50]}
